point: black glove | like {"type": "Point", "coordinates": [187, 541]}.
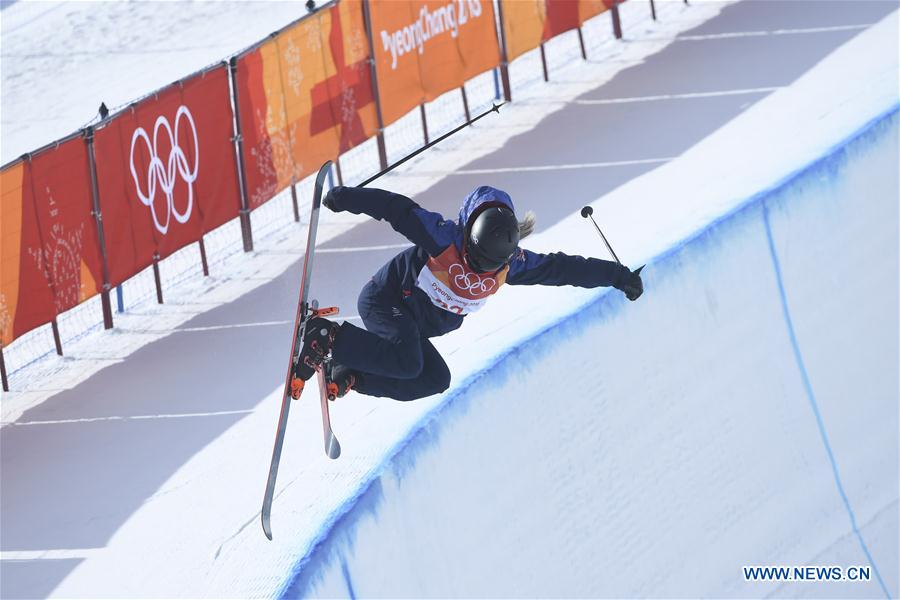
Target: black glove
{"type": "Point", "coordinates": [630, 283]}
{"type": "Point", "coordinates": [332, 200]}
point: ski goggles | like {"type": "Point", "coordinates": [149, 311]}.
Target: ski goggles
{"type": "Point", "coordinates": [482, 263]}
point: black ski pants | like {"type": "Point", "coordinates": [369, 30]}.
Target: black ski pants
{"type": "Point", "coordinates": [395, 360]}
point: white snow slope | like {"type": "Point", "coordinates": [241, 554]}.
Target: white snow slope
{"type": "Point", "coordinates": [743, 412]}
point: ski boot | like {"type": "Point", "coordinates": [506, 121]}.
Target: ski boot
{"type": "Point", "coordinates": [339, 379]}
{"type": "Point", "coordinates": [317, 345]}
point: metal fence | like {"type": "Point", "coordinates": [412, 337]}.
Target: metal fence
{"type": "Point", "coordinates": [217, 244]}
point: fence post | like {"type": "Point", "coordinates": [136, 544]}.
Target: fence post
{"type": "Point", "coordinates": [156, 278]}
{"type": "Point", "coordinates": [544, 63]}
{"type": "Point", "coordinates": [424, 122]}
{"type": "Point", "coordinates": [294, 200]}
{"type": "Point", "coordinates": [244, 212]}
{"type": "Point", "coordinates": [98, 219]}
{"type": "Point", "coordinates": [3, 377]}
{"type": "Point", "coordinates": [504, 61]}
{"type": "Point", "coordinates": [56, 338]}
{"type": "Point", "coordinates": [120, 299]}
{"type": "Point", "coordinates": [616, 21]}
{"type": "Point", "coordinates": [581, 42]}
{"type": "Point", "coordinates": [465, 100]}
{"type": "Point", "coordinates": [203, 257]}
{"type": "Point", "coordinates": [382, 151]}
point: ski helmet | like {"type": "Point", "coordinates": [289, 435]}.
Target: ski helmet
{"type": "Point", "coordinates": [492, 238]}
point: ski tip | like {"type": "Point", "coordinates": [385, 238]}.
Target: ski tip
{"type": "Point", "coordinates": [639, 269]}
{"type": "Point", "coordinates": [333, 448]}
{"type": "Point", "coordinates": [587, 211]}
{"type": "Point", "coordinates": [267, 529]}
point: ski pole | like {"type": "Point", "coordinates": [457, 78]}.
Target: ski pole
{"type": "Point", "coordinates": [588, 212]}
{"type": "Point", "coordinates": [495, 108]}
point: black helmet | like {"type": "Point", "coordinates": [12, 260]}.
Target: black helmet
{"type": "Point", "coordinates": [492, 239]}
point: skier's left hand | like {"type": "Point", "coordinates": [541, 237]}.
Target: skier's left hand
{"type": "Point", "coordinates": [630, 283]}
{"type": "Point", "coordinates": [331, 201]}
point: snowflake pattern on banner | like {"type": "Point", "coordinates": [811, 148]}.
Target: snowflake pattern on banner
{"type": "Point", "coordinates": [273, 154]}
{"type": "Point", "coordinates": [357, 45]}
{"type": "Point", "coordinates": [294, 70]}
{"type": "Point", "coordinates": [314, 39]}
{"type": "Point", "coordinates": [60, 260]}
{"type": "Point", "coordinates": [5, 317]}
{"type": "Point", "coordinates": [348, 107]}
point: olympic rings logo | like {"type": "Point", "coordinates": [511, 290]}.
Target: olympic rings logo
{"type": "Point", "coordinates": [471, 282]}
{"type": "Point", "coordinates": [162, 174]}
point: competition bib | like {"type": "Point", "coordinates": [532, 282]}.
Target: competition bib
{"type": "Point", "coordinates": [453, 286]}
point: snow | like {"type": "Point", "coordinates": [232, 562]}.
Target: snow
{"type": "Point", "coordinates": [654, 449]}
{"type": "Point", "coordinates": [674, 437]}
{"type": "Point", "coordinates": [135, 48]}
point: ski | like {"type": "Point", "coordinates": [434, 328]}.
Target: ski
{"type": "Point", "coordinates": [332, 446]}
{"type": "Point", "coordinates": [292, 386]}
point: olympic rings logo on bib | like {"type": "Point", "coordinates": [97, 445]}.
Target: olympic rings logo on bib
{"type": "Point", "coordinates": [471, 282]}
{"type": "Point", "coordinates": [164, 175]}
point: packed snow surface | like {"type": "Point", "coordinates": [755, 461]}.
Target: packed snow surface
{"type": "Point", "coordinates": [743, 413]}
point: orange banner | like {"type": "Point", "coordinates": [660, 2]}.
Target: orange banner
{"type": "Point", "coordinates": [26, 299]}
{"type": "Point", "coordinates": [529, 23]}
{"type": "Point", "coordinates": [424, 48]}
{"type": "Point", "coordinates": [304, 97]}
{"type": "Point", "coordinates": [49, 254]}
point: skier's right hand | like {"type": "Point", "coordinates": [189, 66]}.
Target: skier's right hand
{"type": "Point", "coordinates": [630, 283]}
{"type": "Point", "coordinates": [332, 200]}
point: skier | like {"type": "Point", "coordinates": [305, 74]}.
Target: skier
{"type": "Point", "coordinates": [428, 289]}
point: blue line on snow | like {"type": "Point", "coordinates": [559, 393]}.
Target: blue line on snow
{"type": "Point", "coordinates": [346, 571]}
{"type": "Point", "coordinates": [812, 398]}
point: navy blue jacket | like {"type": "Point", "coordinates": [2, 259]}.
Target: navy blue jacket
{"type": "Point", "coordinates": [436, 239]}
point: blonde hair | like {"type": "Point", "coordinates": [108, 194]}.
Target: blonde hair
{"type": "Point", "coordinates": [526, 225]}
